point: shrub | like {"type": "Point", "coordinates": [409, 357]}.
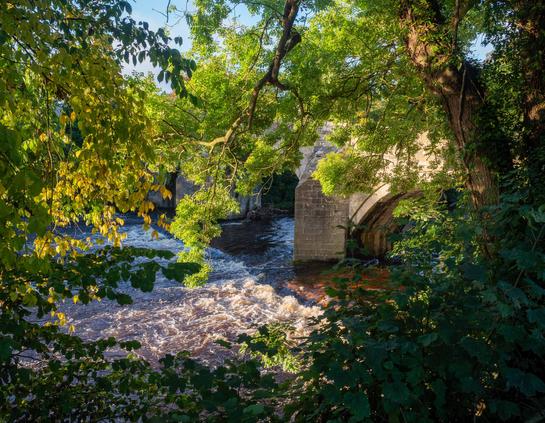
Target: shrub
{"type": "Point", "coordinates": [457, 336]}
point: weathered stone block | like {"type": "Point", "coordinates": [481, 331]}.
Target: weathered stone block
{"type": "Point", "coordinates": [316, 218]}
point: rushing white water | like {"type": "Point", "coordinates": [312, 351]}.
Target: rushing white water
{"type": "Point", "coordinates": [172, 318]}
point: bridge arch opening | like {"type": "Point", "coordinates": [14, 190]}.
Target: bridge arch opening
{"type": "Point", "coordinates": [371, 234]}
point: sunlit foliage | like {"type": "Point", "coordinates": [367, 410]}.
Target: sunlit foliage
{"type": "Point", "coordinates": [459, 336]}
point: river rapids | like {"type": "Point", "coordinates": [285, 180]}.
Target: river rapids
{"type": "Point", "coordinates": [245, 290]}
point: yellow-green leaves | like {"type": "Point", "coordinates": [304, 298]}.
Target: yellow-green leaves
{"type": "Point", "coordinates": [196, 223]}
{"type": "Point", "coordinates": [346, 172]}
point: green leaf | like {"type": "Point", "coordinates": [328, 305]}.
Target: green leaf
{"type": "Point", "coordinates": [537, 316]}
{"type": "Point", "coordinates": [396, 392]}
{"type": "Point", "coordinates": [477, 348]}
{"type": "Point", "coordinates": [131, 345]}
{"type": "Point", "coordinates": [358, 405]}
{"type": "Point", "coordinates": [527, 383]}
{"type": "Point", "coordinates": [474, 272]}
{"type": "Point", "coordinates": [254, 410]}
{"type": "Point", "coordinates": [223, 343]}
{"type": "Point", "coordinates": [123, 299]}
{"type": "Point", "coordinates": [427, 339]}
{"type": "Point", "coordinates": [179, 271]}
{"type": "Point", "coordinates": [5, 348]}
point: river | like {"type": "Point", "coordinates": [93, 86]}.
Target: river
{"type": "Point", "coordinates": [253, 283]}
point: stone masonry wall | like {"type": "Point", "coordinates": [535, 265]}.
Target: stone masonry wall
{"type": "Point", "coordinates": [316, 216]}
{"type": "Point", "coordinates": [317, 237]}
{"type": "Point", "coordinates": [182, 187]}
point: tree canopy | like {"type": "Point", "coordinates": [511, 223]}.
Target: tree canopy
{"type": "Point", "coordinates": [458, 335]}
{"type": "Point", "coordinates": [381, 74]}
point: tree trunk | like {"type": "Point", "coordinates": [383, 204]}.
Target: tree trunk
{"type": "Point", "coordinates": [461, 97]}
{"type": "Point", "coordinates": [530, 21]}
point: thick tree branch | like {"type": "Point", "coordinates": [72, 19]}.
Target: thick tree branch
{"type": "Point", "coordinates": [288, 40]}
{"type": "Point", "coordinates": [460, 11]}
{"type": "Point", "coordinates": [224, 139]}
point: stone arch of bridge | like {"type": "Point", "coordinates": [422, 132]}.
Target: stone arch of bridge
{"type": "Point", "coordinates": [372, 220]}
{"type": "Point", "coordinates": [321, 222]}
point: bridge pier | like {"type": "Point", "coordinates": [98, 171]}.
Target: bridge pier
{"type": "Point", "coordinates": [318, 236]}
{"type": "Point", "coordinates": [318, 220]}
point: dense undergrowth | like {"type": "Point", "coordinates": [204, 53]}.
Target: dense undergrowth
{"type": "Point", "coordinates": [457, 336]}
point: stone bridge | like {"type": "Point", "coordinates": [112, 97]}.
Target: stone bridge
{"type": "Point", "coordinates": [320, 220]}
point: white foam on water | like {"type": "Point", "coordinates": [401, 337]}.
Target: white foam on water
{"type": "Point", "coordinates": [173, 318]}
